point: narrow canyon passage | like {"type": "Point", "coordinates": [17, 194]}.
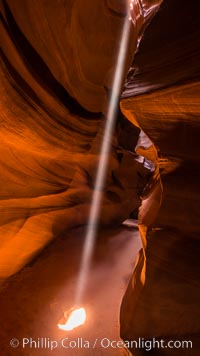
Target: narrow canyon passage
{"type": "Point", "coordinates": [59, 59]}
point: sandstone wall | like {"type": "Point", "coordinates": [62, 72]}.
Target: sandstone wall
{"type": "Point", "coordinates": [57, 62]}
{"type": "Point", "coordinates": [162, 98]}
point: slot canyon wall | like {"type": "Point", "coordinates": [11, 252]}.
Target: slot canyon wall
{"type": "Point", "coordinates": [57, 63]}
{"type": "Point", "coordinates": [56, 76]}
{"type": "Point", "coordinates": [162, 97]}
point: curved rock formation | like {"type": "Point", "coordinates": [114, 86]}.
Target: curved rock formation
{"type": "Point", "coordinates": [57, 63]}
{"type": "Point", "coordinates": [52, 104]}
{"type": "Point", "coordinates": [162, 98]}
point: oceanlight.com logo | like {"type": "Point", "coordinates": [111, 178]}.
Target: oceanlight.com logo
{"type": "Point", "coordinates": [154, 343]}
{"type": "Point", "coordinates": [101, 343]}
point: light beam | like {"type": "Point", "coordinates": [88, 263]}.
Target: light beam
{"type": "Point", "coordinates": [78, 316]}
{"type": "Point", "coordinates": [103, 163]}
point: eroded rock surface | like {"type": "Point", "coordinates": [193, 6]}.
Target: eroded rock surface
{"type": "Point", "coordinates": [58, 59]}
{"type": "Point", "coordinates": [57, 64]}
{"type": "Point", "coordinates": [162, 98]}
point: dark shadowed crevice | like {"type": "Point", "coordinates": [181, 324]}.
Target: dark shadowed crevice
{"type": "Point", "coordinates": [39, 69]}
{"type": "Point", "coordinates": [167, 57]}
{"type": "Point", "coordinates": [30, 97]}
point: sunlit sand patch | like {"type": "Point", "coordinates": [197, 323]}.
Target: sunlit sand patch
{"type": "Point", "coordinates": [74, 318]}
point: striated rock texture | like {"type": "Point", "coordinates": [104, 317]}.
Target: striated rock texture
{"type": "Point", "coordinates": [62, 43]}
{"type": "Point", "coordinates": [162, 98]}
{"type": "Point", "coordinates": [57, 61]}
